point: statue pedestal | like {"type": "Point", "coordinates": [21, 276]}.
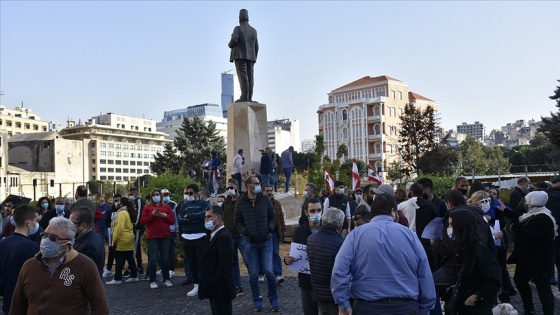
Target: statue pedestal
{"type": "Point", "coordinates": [247, 130]}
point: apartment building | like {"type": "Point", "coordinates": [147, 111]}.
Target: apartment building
{"type": "Point", "coordinates": [283, 133]}
{"type": "Point", "coordinates": [172, 120]}
{"type": "Point", "coordinates": [365, 115]}
{"type": "Point", "coordinates": [21, 120]}
{"type": "Point", "coordinates": [476, 130]}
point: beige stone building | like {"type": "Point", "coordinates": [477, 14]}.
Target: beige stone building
{"type": "Point", "coordinates": [365, 115]}
{"type": "Point", "coordinates": [21, 120]}
{"type": "Point", "coordinates": [120, 148]}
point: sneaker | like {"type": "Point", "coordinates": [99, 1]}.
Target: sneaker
{"type": "Point", "coordinates": [158, 272]}
{"type": "Point", "coordinates": [261, 278]}
{"type": "Point", "coordinates": [113, 282]}
{"type": "Point", "coordinates": [279, 279]}
{"type": "Point", "coordinates": [258, 306]}
{"type": "Point", "coordinates": [153, 285]}
{"type": "Point", "coordinates": [289, 193]}
{"type": "Point", "coordinates": [107, 273]}
{"type": "Point", "coordinates": [126, 274]}
{"type": "Point", "coordinates": [275, 306]}
{"type": "Point", "coordinates": [140, 271]}
{"type": "Point", "coordinates": [171, 273]}
{"type": "Point", "coordinates": [169, 284]}
{"type": "Point", "coordinates": [132, 280]}
{"type": "Point", "coordinates": [186, 281]}
{"type": "Point", "coordinates": [194, 291]}
{"type": "Point", "coordinates": [239, 291]}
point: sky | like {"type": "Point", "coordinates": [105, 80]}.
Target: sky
{"type": "Point", "coordinates": [493, 62]}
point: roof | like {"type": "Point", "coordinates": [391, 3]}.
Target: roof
{"type": "Point", "coordinates": [412, 95]}
{"type": "Point", "coordinates": [34, 136]}
{"type": "Point", "coordinates": [367, 80]}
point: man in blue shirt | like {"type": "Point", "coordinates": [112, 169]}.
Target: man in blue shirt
{"type": "Point", "coordinates": [383, 267]}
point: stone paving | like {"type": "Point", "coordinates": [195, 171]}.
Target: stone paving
{"type": "Point", "coordinates": [138, 298]}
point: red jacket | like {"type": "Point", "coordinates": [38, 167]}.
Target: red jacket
{"type": "Point", "coordinates": [157, 227]}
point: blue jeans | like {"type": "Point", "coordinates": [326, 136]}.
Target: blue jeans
{"type": "Point", "coordinates": [261, 253]}
{"type": "Point", "coordinates": [239, 243]}
{"type": "Point", "coordinates": [288, 174]}
{"type": "Point", "coordinates": [158, 247]}
{"type": "Point", "coordinates": [265, 179]}
{"type": "Point", "coordinates": [103, 233]}
{"type": "Point", "coordinates": [276, 261]}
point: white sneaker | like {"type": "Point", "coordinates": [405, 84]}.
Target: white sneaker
{"type": "Point", "coordinates": [194, 291]}
{"type": "Point", "coordinates": [132, 280]}
{"type": "Point", "coordinates": [107, 273]}
{"type": "Point", "coordinates": [158, 272]}
{"type": "Point", "coordinates": [261, 278]}
{"type": "Point", "coordinates": [289, 193]}
{"type": "Point", "coordinates": [279, 279]}
{"type": "Point", "coordinates": [153, 285]}
{"type": "Point", "coordinates": [169, 284]}
{"type": "Point", "coordinates": [114, 282]}
{"type": "Point", "coordinates": [171, 273]}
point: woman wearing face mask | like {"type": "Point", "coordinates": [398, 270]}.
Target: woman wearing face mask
{"type": "Point", "coordinates": [123, 241]}
{"type": "Point", "coordinates": [479, 273]}
{"type": "Point", "coordinates": [56, 211]}
{"type": "Point", "coordinates": [533, 254]}
{"type": "Point", "coordinates": [481, 199]}
{"type": "Point", "coordinates": [157, 217]}
{"type": "Point", "coordinates": [44, 205]}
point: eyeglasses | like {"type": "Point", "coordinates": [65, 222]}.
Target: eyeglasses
{"type": "Point", "coordinates": [77, 223]}
{"type": "Point", "coordinates": [156, 195]}
{"type": "Point", "coordinates": [486, 200]}
{"type": "Point", "coordinates": [53, 238]}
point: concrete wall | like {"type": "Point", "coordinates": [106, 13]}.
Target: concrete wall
{"type": "Point", "coordinates": [32, 155]}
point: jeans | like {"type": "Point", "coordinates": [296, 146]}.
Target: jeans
{"type": "Point", "coordinates": [308, 303]}
{"type": "Point", "coordinates": [240, 243]}
{"type": "Point", "coordinates": [265, 179]}
{"type": "Point", "coordinates": [385, 307]}
{"type": "Point", "coordinates": [171, 253]}
{"type": "Point", "coordinates": [288, 174]}
{"type": "Point", "coordinates": [194, 251]}
{"type": "Point", "coordinates": [209, 182]}
{"type": "Point", "coordinates": [276, 261]}
{"type": "Point", "coordinates": [261, 253]}
{"type": "Point", "coordinates": [158, 246]}
{"type": "Point", "coordinates": [103, 233]}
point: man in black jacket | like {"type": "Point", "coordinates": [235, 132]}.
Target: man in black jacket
{"type": "Point", "coordinates": [340, 200]}
{"type": "Point", "coordinates": [424, 215]}
{"type": "Point", "coordinates": [553, 204]}
{"type": "Point", "coordinates": [313, 214]}
{"type": "Point", "coordinates": [255, 219]}
{"type": "Point", "coordinates": [523, 184]}
{"type": "Point", "coordinates": [87, 241]}
{"type": "Point", "coordinates": [216, 280]}
{"type": "Point", "coordinates": [322, 248]}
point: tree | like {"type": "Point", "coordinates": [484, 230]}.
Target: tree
{"type": "Point", "coordinates": [497, 161]}
{"type": "Point", "coordinates": [440, 160]}
{"type": "Point", "coordinates": [303, 161]}
{"type": "Point", "coordinates": [175, 183]}
{"type": "Point", "coordinates": [417, 136]}
{"type": "Point", "coordinates": [194, 139]}
{"type": "Point", "coordinates": [551, 125]}
{"type": "Point", "coordinates": [473, 157]}
{"type": "Point", "coordinates": [316, 174]}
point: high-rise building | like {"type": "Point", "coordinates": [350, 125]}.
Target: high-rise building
{"type": "Point", "coordinates": [172, 120]}
{"type": "Point", "coordinates": [230, 90]}
{"type": "Point", "coordinates": [283, 133]}
{"type": "Point", "coordinates": [308, 145]}
{"type": "Point", "coordinates": [365, 116]}
{"type": "Point", "coordinates": [475, 130]}
{"type": "Point", "coordinates": [120, 148]}
{"type": "Point", "coordinates": [21, 120]}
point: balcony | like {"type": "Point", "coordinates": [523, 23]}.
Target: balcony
{"type": "Point", "coordinates": [373, 156]}
{"type": "Point", "coordinates": [374, 137]}
{"type": "Point", "coordinates": [374, 118]}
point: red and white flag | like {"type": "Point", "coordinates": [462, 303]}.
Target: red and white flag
{"type": "Point", "coordinates": [372, 175]}
{"type": "Point", "coordinates": [355, 176]}
{"type": "Point", "coordinates": [329, 180]}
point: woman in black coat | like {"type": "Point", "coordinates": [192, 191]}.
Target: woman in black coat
{"type": "Point", "coordinates": [479, 273]}
{"type": "Point", "coordinates": [534, 234]}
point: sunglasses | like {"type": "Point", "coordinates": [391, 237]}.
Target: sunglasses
{"type": "Point", "coordinates": [484, 200]}
{"type": "Point", "coordinates": [53, 238]}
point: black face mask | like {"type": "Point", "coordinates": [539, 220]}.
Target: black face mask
{"type": "Point", "coordinates": [425, 196]}
{"type": "Point", "coordinates": [463, 191]}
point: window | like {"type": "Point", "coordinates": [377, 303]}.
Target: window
{"type": "Point", "coordinates": [118, 170]}
{"type": "Point", "coordinates": [111, 170]}
{"type": "Point", "coordinates": [103, 177]}
{"type": "Point", "coordinates": [125, 162]}
{"type": "Point", "coordinates": [44, 128]}
{"type": "Point", "coordinates": [103, 153]}
{"type": "Point", "coordinates": [92, 161]}
{"type": "Point", "coordinates": [103, 169]}
{"type": "Point", "coordinates": [146, 171]}
{"type": "Point", "coordinates": [27, 126]}
{"type": "Point", "coordinates": [35, 127]}
{"type": "Point", "coordinates": [378, 147]}
{"type": "Point", "coordinates": [118, 162]}
{"type": "Point", "coordinates": [376, 110]}
{"type": "Point", "coordinates": [125, 170]}
{"type": "Point", "coordinates": [111, 146]}
{"type": "Point", "coordinates": [344, 115]}
{"type": "Point", "coordinates": [111, 177]}
{"type": "Point", "coordinates": [18, 124]}
{"type": "Point", "coordinates": [110, 153]}
{"type": "Point", "coordinates": [393, 94]}
{"type": "Point", "coordinates": [103, 145]}
{"type": "Point", "coordinates": [111, 162]}
{"type": "Point", "coordinates": [377, 130]}
{"type": "Point", "coordinates": [102, 161]}
{"type": "Point", "coordinates": [400, 95]}
{"type": "Point", "coordinates": [119, 178]}
{"type": "Point", "coordinates": [400, 111]}
{"type": "Point", "coordinates": [146, 163]}
{"type": "Point", "coordinates": [8, 123]}
{"type": "Point", "coordinates": [380, 91]}
{"type": "Point", "coordinates": [46, 145]}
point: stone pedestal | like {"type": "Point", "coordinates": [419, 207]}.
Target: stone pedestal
{"type": "Point", "coordinates": [247, 130]}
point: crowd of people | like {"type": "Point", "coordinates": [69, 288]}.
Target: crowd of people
{"type": "Point", "coordinates": [373, 250]}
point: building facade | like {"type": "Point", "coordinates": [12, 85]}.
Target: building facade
{"type": "Point", "coordinates": [365, 116]}
{"type": "Point", "coordinates": [21, 120]}
{"type": "Point", "coordinates": [230, 90]}
{"type": "Point", "coordinates": [172, 120]}
{"type": "Point", "coordinates": [308, 145]}
{"type": "Point", "coordinates": [120, 148]}
{"type": "Point", "coordinates": [283, 133]}
{"type": "Point", "coordinates": [476, 130]}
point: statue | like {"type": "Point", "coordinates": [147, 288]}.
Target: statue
{"type": "Point", "coordinates": [244, 49]}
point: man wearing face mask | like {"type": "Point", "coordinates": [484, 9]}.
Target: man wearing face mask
{"type": "Point", "coordinates": [58, 211]}
{"type": "Point", "coordinates": [16, 249]}
{"type": "Point", "coordinates": [309, 192]}
{"type": "Point", "coordinates": [359, 200]}
{"type": "Point", "coordinates": [193, 233]}
{"type": "Point", "coordinates": [522, 188]}
{"type": "Point", "coordinates": [255, 219]}
{"type": "Point", "coordinates": [239, 242]}
{"type": "Point", "coordinates": [139, 229]}
{"type": "Point", "coordinates": [87, 241]}
{"type": "Point", "coordinates": [277, 234]}
{"type": "Point", "coordinates": [103, 208]}
{"type": "Point", "coordinates": [340, 201]}
{"type": "Point", "coordinates": [71, 277]}
{"type": "Point", "coordinates": [174, 228]}
{"type": "Point", "coordinates": [462, 185]}
{"type": "Point", "coordinates": [311, 226]}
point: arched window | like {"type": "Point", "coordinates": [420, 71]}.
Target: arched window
{"type": "Point", "coordinates": [344, 114]}
{"type": "Point", "coordinates": [377, 129]}
{"type": "Point", "coordinates": [345, 135]}
{"type": "Point", "coordinates": [378, 167]}
{"type": "Point", "coordinates": [376, 110]}
{"type": "Point", "coordinates": [378, 147]}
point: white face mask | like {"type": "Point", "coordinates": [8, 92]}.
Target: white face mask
{"type": "Point", "coordinates": [341, 191]}
{"type": "Point", "coordinates": [220, 204]}
{"type": "Point", "coordinates": [232, 192]}
{"type": "Point", "coordinates": [305, 194]}
{"type": "Point", "coordinates": [188, 197]}
{"type": "Point", "coordinates": [450, 232]}
{"type": "Point", "coordinates": [485, 207]}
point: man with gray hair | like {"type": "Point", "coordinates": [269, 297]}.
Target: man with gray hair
{"type": "Point", "coordinates": [322, 248]}
{"type": "Point", "coordinates": [59, 268]}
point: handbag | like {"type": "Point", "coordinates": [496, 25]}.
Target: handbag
{"type": "Point", "coordinates": [451, 297]}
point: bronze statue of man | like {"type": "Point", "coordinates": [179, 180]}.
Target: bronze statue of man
{"type": "Point", "coordinates": [244, 49]}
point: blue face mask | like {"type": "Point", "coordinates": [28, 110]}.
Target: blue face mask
{"type": "Point", "coordinates": [44, 205]}
{"type": "Point", "coordinates": [156, 199]}
{"type": "Point", "coordinates": [131, 198]}
{"type": "Point", "coordinates": [166, 199]}
{"type": "Point", "coordinates": [50, 249]}
{"type": "Point", "coordinates": [359, 198]}
{"type": "Point", "coordinates": [315, 218]}
{"type": "Point", "coordinates": [34, 229]}
{"type": "Point", "coordinates": [59, 208]}
{"type": "Point", "coordinates": [209, 225]}
{"type": "Point", "coordinates": [257, 189]}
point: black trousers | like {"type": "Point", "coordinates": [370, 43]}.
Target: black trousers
{"type": "Point", "coordinates": [194, 252]}
{"type": "Point", "coordinates": [220, 308]}
{"type": "Point", "coordinates": [139, 249]}
{"type": "Point", "coordinates": [244, 70]}
{"type": "Point", "coordinates": [120, 257]}
{"type": "Point", "coordinates": [541, 279]}
{"type": "Point", "coordinates": [110, 258]}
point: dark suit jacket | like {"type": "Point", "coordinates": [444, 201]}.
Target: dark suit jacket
{"type": "Point", "coordinates": [49, 215]}
{"type": "Point", "coordinates": [91, 245]}
{"type": "Point", "coordinates": [244, 43]}
{"type": "Point", "coordinates": [216, 280]}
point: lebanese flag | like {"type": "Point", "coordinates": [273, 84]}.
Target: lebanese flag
{"type": "Point", "coordinates": [355, 176]}
{"type": "Point", "coordinates": [329, 180]}
{"type": "Point", "coordinates": [372, 175]}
